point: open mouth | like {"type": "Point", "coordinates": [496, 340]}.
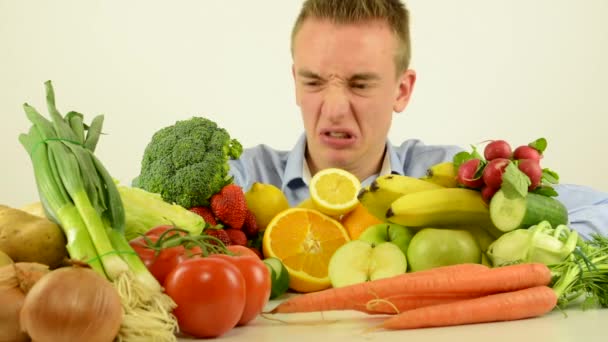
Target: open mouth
{"type": "Point", "coordinates": [339, 135]}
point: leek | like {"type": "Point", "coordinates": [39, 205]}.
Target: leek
{"type": "Point", "coordinates": [79, 194]}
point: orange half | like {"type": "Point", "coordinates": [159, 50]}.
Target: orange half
{"type": "Point", "coordinates": [304, 240]}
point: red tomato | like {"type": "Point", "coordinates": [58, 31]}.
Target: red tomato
{"type": "Point", "coordinates": [241, 250]}
{"type": "Point", "coordinates": [257, 283]}
{"type": "Point", "coordinates": [162, 263]}
{"type": "Point", "coordinates": [210, 296]}
{"type": "Point", "coordinates": [157, 231]}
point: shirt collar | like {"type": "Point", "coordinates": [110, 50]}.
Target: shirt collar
{"type": "Point", "coordinates": [294, 176]}
{"type": "Point", "coordinates": [298, 174]}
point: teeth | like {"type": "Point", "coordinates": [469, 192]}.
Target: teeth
{"type": "Point", "coordinates": [338, 134]}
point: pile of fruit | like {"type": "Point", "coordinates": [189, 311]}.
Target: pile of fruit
{"type": "Point", "coordinates": [195, 250]}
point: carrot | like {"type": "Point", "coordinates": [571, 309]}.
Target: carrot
{"type": "Point", "coordinates": [399, 303]}
{"type": "Point", "coordinates": [356, 297]}
{"type": "Point", "coordinates": [464, 279]}
{"type": "Point", "coordinates": [506, 306]}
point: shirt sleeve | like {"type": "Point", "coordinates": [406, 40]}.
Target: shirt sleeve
{"type": "Point", "coordinates": [587, 209]}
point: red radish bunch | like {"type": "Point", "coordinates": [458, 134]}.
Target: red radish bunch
{"type": "Point", "coordinates": [486, 175]}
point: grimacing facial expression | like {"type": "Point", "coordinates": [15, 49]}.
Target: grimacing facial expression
{"type": "Point", "coordinates": [347, 88]}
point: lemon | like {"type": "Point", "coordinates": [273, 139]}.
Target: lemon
{"type": "Point", "coordinates": [265, 201]}
{"type": "Point", "coordinates": [334, 191]}
{"type": "Point", "coordinates": [307, 203]}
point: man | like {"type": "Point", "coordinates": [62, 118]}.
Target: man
{"type": "Point", "coordinates": [351, 74]}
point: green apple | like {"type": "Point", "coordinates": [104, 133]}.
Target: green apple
{"type": "Point", "coordinates": [482, 236]}
{"type": "Point", "coordinates": [388, 232]}
{"type": "Point", "coordinates": [434, 247]}
{"type": "Point", "coordinates": [358, 261]}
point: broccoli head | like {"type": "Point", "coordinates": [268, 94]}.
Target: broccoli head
{"type": "Point", "coordinates": [187, 163]}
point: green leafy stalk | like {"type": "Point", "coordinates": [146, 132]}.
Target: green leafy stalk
{"type": "Point", "coordinates": [584, 275]}
{"type": "Point", "coordinates": [71, 177]}
{"type": "Point", "coordinates": [56, 201]}
{"type": "Point", "coordinates": [93, 133]}
{"type": "Point", "coordinates": [136, 265]}
{"type": "Point", "coordinates": [81, 196]}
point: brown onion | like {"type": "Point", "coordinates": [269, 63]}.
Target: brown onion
{"type": "Point", "coordinates": [12, 301]}
{"type": "Point", "coordinates": [72, 304]}
{"type": "Point", "coordinates": [15, 282]}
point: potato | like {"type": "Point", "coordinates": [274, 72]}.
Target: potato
{"type": "Point", "coordinates": [30, 238]}
{"type": "Point", "coordinates": [5, 259]}
{"type": "Point", "coordinates": [34, 208]}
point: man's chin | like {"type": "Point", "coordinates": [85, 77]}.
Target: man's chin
{"type": "Point", "coordinates": [340, 159]}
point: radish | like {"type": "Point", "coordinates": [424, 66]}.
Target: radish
{"type": "Point", "coordinates": [487, 192]}
{"type": "Point", "coordinates": [467, 174]}
{"type": "Point", "coordinates": [533, 170]}
{"type": "Point", "coordinates": [492, 174]}
{"type": "Point", "coordinates": [526, 152]}
{"type": "Point", "coordinates": [497, 149]}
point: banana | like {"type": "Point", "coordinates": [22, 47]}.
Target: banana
{"type": "Point", "coordinates": [378, 196]}
{"type": "Point", "coordinates": [443, 174]}
{"type": "Point", "coordinates": [440, 207]}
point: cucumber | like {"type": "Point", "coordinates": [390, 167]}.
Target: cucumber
{"type": "Point", "coordinates": [522, 212]}
{"type": "Point", "coordinates": [279, 277]}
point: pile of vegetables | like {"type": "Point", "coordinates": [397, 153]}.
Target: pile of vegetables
{"type": "Point", "coordinates": [472, 293]}
{"type": "Point", "coordinates": [79, 194]}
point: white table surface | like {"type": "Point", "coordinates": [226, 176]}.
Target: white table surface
{"type": "Point", "coordinates": [557, 326]}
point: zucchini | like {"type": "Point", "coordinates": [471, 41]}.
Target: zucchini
{"type": "Point", "coordinates": [522, 212]}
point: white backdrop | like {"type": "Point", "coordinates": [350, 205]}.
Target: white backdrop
{"type": "Point", "coordinates": [487, 69]}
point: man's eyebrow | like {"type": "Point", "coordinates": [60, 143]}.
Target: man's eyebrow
{"type": "Point", "coordinates": [367, 76]}
{"type": "Point", "coordinates": [308, 74]}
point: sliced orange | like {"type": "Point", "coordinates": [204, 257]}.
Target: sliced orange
{"type": "Point", "coordinates": [357, 220]}
{"type": "Point", "coordinates": [334, 191]}
{"type": "Point", "coordinates": [304, 240]}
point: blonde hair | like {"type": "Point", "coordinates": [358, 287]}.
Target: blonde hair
{"type": "Point", "coordinates": [393, 12]}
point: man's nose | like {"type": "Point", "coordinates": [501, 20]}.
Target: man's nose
{"type": "Point", "coordinates": [336, 104]}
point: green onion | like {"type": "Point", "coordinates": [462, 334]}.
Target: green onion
{"type": "Point", "coordinates": [79, 194]}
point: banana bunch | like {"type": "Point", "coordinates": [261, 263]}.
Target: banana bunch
{"type": "Point", "coordinates": [416, 202]}
{"type": "Point", "coordinates": [380, 194]}
{"type": "Point", "coordinates": [443, 174]}
{"type": "Point", "coordinates": [439, 208]}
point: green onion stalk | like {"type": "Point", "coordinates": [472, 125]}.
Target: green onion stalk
{"type": "Point", "coordinates": [79, 194]}
{"type": "Point", "coordinates": [583, 276]}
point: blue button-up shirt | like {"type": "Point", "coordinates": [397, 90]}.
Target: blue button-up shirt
{"type": "Point", "coordinates": [287, 170]}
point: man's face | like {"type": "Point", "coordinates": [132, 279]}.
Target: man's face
{"type": "Point", "coordinates": [347, 89]}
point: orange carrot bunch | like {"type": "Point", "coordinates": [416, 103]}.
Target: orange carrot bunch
{"type": "Point", "coordinates": [450, 295]}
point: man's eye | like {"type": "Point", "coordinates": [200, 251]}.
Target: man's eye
{"type": "Point", "coordinates": [359, 85]}
{"type": "Point", "coordinates": [311, 83]}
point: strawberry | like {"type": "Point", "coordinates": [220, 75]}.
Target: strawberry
{"type": "Point", "coordinates": [206, 214]}
{"type": "Point", "coordinates": [250, 226]}
{"type": "Point", "coordinates": [219, 234]}
{"type": "Point", "coordinates": [237, 237]}
{"type": "Point", "coordinates": [229, 206]}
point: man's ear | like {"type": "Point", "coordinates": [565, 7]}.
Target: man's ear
{"type": "Point", "coordinates": [404, 90]}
